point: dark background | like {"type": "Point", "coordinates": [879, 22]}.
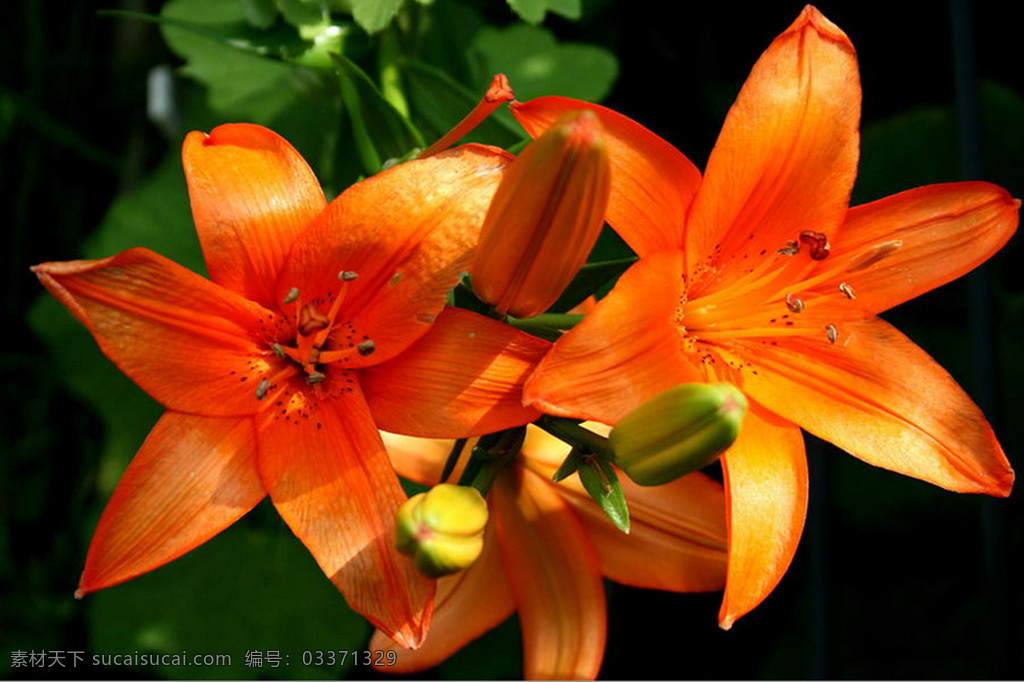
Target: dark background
{"type": "Point", "coordinates": [893, 579]}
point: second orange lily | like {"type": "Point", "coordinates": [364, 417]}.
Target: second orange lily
{"type": "Point", "coordinates": [760, 274]}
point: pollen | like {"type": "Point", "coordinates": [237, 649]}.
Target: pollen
{"type": "Point", "coordinates": [791, 249]}
{"type": "Point", "coordinates": [817, 244]}
{"type": "Point", "coordinates": [315, 378]}
{"type": "Point", "coordinates": [847, 290]}
{"type": "Point", "coordinates": [366, 347]}
{"type": "Point", "coordinates": [261, 390]}
{"type": "Point", "coordinates": [291, 297]}
{"type": "Point", "coordinates": [794, 303]}
{"type": "Point", "coordinates": [832, 333]}
{"type": "Point", "coordinates": [348, 275]}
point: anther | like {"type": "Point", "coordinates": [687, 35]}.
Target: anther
{"type": "Point", "coordinates": [846, 289]}
{"type": "Point", "coordinates": [794, 304]}
{"type": "Point", "coordinates": [792, 248]}
{"type": "Point", "coordinates": [315, 378]}
{"type": "Point", "coordinates": [348, 275]}
{"type": "Point", "coordinates": [366, 347]}
{"type": "Point", "coordinates": [817, 243]}
{"type": "Point", "coordinates": [873, 255]}
{"type": "Point", "coordinates": [832, 332]}
{"type": "Point", "coordinates": [292, 296]}
{"type": "Point", "coordinates": [278, 350]}
{"type": "Point", "coordinates": [261, 390]}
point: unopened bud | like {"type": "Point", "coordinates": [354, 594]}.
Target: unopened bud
{"type": "Point", "coordinates": [544, 218]}
{"type": "Point", "coordinates": [677, 432]}
{"type": "Point", "coordinates": [442, 529]}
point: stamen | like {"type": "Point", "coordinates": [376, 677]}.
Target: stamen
{"type": "Point", "coordinates": [817, 243]}
{"type": "Point", "coordinates": [291, 297]}
{"type": "Point", "coordinates": [791, 249]}
{"type": "Point", "coordinates": [846, 289]}
{"type": "Point", "coordinates": [348, 275]}
{"type": "Point", "coordinates": [832, 332]}
{"type": "Point", "coordinates": [278, 350]}
{"type": "Point", "coordinates": [315, 378]}
{"type": "Point", "coordinates": [873, 255]}
{"type": "Point", "coordinates": [794, 304]}
{"type": "Point", "coordinates": [261, 390]}
{"type": "Point", "coordinates": [497, 94]}
{"type": "Point", "coordinates": [366, 347]}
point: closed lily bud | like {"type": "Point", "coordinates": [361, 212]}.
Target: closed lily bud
{"type": "Point", "coordinates": [677, 432]}
{"type": "Point", "coordinates": [442, 529]}
{"type": "Point", "coordinates": [544, 218]}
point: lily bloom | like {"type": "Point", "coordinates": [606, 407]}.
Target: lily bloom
{"type": "Point", "coordinates": [760, 274]}
{"type": "Point", "coordinates": [321, 323]}
{"type": "Point", "coordinates": [545, 552]}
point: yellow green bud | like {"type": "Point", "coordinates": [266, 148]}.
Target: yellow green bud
{"type": "Point", "coordinates": [544, 218]}
{"type": "Point", "coordinates": [442, 529]}
{"type": "Point", "coordinates": [677, 432]}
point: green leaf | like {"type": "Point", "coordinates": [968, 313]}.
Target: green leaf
{"type": "Point", "coordinates": [600, 480]}
{"type": "Point", "coordinates": [374, 15]}
{"type": "Point", "coordinates": [248, 589]}
{"type": "Point", "coordinates": [240, 66]}
{"type": "Point", "coordinates": [380, 132]}
{"type": "Point", "coordinates": [536, 64]}
{"type": "Point", "coordinates": [591, 279]}
{"type": "Point", "coordinates": [569, 466]}
{"type": "Point", "coordinates": [533, 11]}
{"type": "Point", "coordinates": [260, 13]}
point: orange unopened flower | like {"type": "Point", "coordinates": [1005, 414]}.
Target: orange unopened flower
{"type": "Point", "coordinates": [545, 217]}
{"type": "Point", "coordinates": [761, 275]}
{"type": "Point", "coordinates": [322, 322]}
{"type": "Point", "coordinates": [545, 552]}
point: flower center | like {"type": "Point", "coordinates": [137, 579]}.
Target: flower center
{"type": "Point", "coordinates": [315, 345]}
{"type": "Point", "coordinates": [768, 300]}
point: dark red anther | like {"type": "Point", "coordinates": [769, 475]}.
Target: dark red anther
{"type": "Point", "coordinates": [817, 244]}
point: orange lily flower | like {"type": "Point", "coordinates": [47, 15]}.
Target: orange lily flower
{"type": "Point", "coordinates": [760, 274]}
{"type": "Point", "coordinates": [322, 322]}
{"type": "Point", "coordinates": [545, 552]}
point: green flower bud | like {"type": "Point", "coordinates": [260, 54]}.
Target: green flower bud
{"type": "Point", "coordinates": [442, 529]}
{"type": "Point", "coordinates": [677, 432]}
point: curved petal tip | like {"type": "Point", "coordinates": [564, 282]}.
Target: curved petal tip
{"type": "Point", "coordinates": [811, 16]}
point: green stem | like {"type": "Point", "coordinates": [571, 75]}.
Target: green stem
{"type": "Point", "coordinates": [490, 457]}
{"type": "Point", "coordinates": [574, 434]}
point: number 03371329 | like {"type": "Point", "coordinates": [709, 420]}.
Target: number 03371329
{"type": "Point", "coordinates": [331, 658]}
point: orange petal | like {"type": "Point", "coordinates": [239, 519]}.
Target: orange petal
{"type": "Point", "coordinates": [652, 182]}
{"type": "Point", "coordinates": [554, 576]}
{"type": "Point", "coordinates": [192, 345]}
{"type": "Point", "coordinates": [418, 459]}
{"type": "Point", "coordinates": [407, 232]}
{"type": "Point", "coordinates": [463, 378]}
{"type": "Point", "coordinates": [897, 248]}
{"type": "Point", "coordinates": [330, 479]}
{"type": "Point", "coordinates": [468, 604]}
{"type": "Point", "coordinates": [676, 538]}
{"type": "Point", "coordinates": [252, 195]}
{"type": "Point", "coordinates": [766, 496]}
{"type": "Point", "coordinates": [787, 155]}
{"type": "Point", "coordinates": [877, 395]}
{"type": "Point", "coordinates": [192, 478]}
{"type": "Point", "coordinates": [622, 354]}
